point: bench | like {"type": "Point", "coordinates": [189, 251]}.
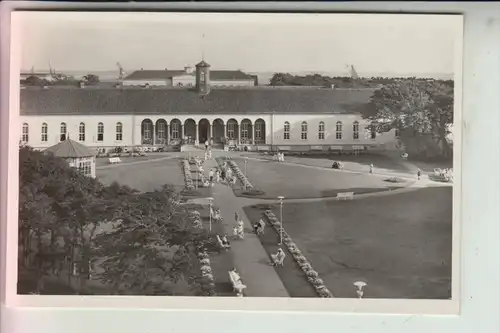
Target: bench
{"type": "Point", "coordinates": [219, 240]}
{"type": "Point", "coordinates": [114, 160]}
{"type": "Point", "coordinates": [345, 195]}
{"type": "Point", "coordinates": [238, 287]}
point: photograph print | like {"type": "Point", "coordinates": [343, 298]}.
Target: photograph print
{"type": "Point", "coordinates": [238, 155]}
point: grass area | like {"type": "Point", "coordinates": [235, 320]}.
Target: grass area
{"type": "Point", "coordinates": [145, 177]}
{"type": "Point", "coordinates": [400, 245]}
{"type": "Point", "coordinates": [103, 161]}
{"type": "Point", "coordinates": [150, 176]}
{"type": "Point", "coordinates": [359, 163]}
{"type": "Point", "coordinates": [295, 181]}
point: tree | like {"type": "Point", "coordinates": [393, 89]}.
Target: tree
{"type": "Point", "coordinates": [421, 110]}
{"type": "Point", "coordinates": [152, 245]}
{"type": "Point", "coordinates": [91, 79]}
{"type": "Point", "coordinates": [35, 81]}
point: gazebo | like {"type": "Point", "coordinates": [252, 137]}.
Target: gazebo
{"type": "Point", "coordinates": [77, 155]}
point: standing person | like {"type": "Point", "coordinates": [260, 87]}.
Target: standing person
{"type": "Point", "coordinates": [206, 145]}
{"type": "Point", "coordinates": [419, 173]}
{"type": "Point", "coordinates": [371, 168]}
{"type": "Point", "coordinates": [211, 176]}
{"type": "Point", "coordinates": [236, 217]}
{"type": "Point", "coordinates": [223, 174]}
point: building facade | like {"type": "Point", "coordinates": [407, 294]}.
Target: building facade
{"type": "Point", "coordinates": [284, 118]}
{"type": "Point", "coordinates": [186, 78]}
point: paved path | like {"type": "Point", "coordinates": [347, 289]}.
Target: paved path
{"type": "Point", "coordinates": [251, 260]}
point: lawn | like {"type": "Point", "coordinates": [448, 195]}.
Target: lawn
{"type": "Point", "coordinates": [145, 176]}
{"type": "Point", "coordinates": [400, 245]}
{"type": "Point", "coordinates": [361, 163]}
{"type": "Point", "coordinates": [296, 181]}
{"type": "Point", "coordinates": [103, 161]}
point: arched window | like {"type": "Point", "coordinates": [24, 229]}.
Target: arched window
{"type": "Point", "coordinates": [355, 130]}
{"type": "Point", "coordinates": [321, 131]}
{"type": "Point", "coordinates": [81, 132]}
{"type": "Point", "coordinates": [244, 130]}
{"type": "Point", "coordinates": [44, 132]}
{"type": "Point", "coordinates": [100, 132]}
{"type": "Point", "coordinates": [303, 131]}
{"type": "Point", "coordinates": [338, 130]}
{"type": "Point", "coordinates": [25, 136]}
{"type": "Point", "coordinates": [119, 132]}
{"type": "Point", "coordinates": [62, 132]}
{"type": "Point", "coordinates": [286, 131]}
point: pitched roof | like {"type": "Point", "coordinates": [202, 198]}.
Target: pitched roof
{"type": "Point", "coordinates": [146, 74]}
{"type": "Point", "coordinates": [253, 100]}
{"type": "Point", "coordinates": [216, 75]}
{"type": "Point", "coordinates": [69, 148]}
{"type": "Point", "coordinates": [223, 75]}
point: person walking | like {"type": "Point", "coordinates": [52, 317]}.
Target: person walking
{"type": "Point", "coordinates": [236, 217]}
{"type": "Point", "coordinates": [206, 145]}
{"type": "Point", "coordinates": [419, 173]}
{"type": "Point", "coordinates": [371, 168]}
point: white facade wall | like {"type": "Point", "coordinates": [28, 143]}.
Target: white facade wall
{"type": "Point", "coordinates": [330, 138]}
{"type": "Point", "coordinates": [274, 128]}
{"type": "Point", "coordinates": [185, 80]}
{"type": "Point", "coordinates": [190, 80]}
{"type": "Point", "coordinates": [160, 83]}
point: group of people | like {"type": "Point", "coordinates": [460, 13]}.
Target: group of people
{"type": "Point", "coordinates": [280, 157]}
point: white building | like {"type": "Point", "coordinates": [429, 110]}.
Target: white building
{"type": "Point", "coordinates": [285, 118]}
{"type": "Point", "coordinates": [187, 78]}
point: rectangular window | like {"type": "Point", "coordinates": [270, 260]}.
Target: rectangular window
{"type": "Point", "coordinates": [321, 135]}
{"type": "Point", "coordinates": [244, 131]}
{"type": "Point", "coordinates": [338, 135]}
{"type": "Point", "coordinates": [230, 131]}
{"type": "Point", "coordinates": [175, 131]}
{"type": "Point", "coordinates": [258, 132]}
{"type": "Point", "coordinates": [85, 167]}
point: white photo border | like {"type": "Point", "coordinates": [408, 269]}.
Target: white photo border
{"type": "Point", "coordinates": [480, 244]}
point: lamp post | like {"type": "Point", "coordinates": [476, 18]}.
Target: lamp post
{"type": "Point", "coordinates": [197, 173]}
{"type": "Point", "coordinates": [281, 219]}
{"type": "Point", "coordinates": [359, 288]}
{"type": "Point", "coordinates": [210, 213]}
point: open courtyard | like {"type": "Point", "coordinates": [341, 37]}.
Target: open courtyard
{"type": "Point", "coordinates": [394, 236]}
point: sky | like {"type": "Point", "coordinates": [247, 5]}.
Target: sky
{"type": "Point", "coordinates": [373, 43]}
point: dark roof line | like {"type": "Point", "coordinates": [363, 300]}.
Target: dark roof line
{"type": "Point", "coordinates": [187, 101]}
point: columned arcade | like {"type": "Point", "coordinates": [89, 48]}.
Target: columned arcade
{"type": "Point", "coordinates": [193, 131]}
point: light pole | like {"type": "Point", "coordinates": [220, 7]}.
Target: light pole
{"type": "Point", "coordinates": [281, 219]}
{"type": "Point", "coordinates": [359, 288]}
{"type": "Point", "coordinates": [210, 213]}
{"type": "Point", "coordinates": [197, 172]}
